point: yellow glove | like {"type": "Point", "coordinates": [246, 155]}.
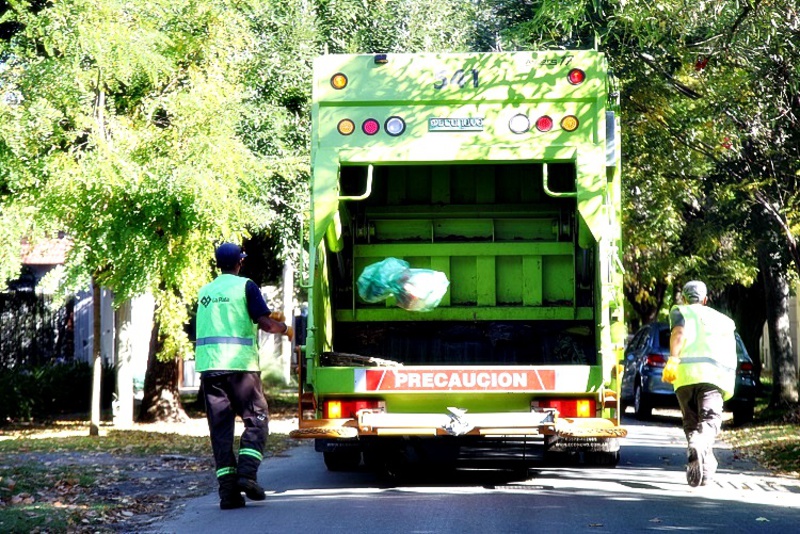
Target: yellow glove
{"type": "Point", "coordinates": [671, 370]}
{"type": "Point", "coordinates": [277, 316]}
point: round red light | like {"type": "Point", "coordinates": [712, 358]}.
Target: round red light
{"type": "Point", "coordinates": [370, 127]}
{"type": "Point", "coordinates": [576, 76]}
{"type": "Point", "coordinates": [544, 123]}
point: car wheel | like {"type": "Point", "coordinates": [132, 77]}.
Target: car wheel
{"type": "Point", "coordinates": [641, 404]}
{"type": "Point", "coordinates": [743, 415]}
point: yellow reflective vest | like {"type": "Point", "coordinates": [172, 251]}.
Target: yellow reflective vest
{"type": "Point", "coordinates": [708, 355]}
{"type": "Point", "coordinates": [226, 335]}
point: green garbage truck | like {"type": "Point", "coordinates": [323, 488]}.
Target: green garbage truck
{"type": "Point", "coordinates": [500, 171]}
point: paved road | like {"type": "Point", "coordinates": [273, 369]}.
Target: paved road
{"type": "Point", "coordinates": [646, 492]}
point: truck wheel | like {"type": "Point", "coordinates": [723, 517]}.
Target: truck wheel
{"type": "Point", "coordinates": [601, 459]}
{"type": "Point", "coordinates": [342, 460]}
{"type": "Point", "coordinates": [743, 415]}
{"type": "Point", "coordinates": [641, 404]}
{"type": "Point", "coordinates": [556, 456]}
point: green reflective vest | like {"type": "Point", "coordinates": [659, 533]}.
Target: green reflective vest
{"type": "Point", "coordinates": [226, 335]}
{"type": "Point", "coordinates": [709, 350]}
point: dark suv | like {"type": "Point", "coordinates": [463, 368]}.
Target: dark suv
{"type": "Point", "coordinates": [642, 388]}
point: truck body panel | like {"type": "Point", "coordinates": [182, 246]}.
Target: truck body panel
{"type": "Point", "coordinates": [500, 170]}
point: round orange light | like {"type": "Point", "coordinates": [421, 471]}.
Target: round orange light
{"type": "Point", "coordinates": [339, 81]}
{"type": "Point", "coordinates": [569, 123]}
{"type": "Point", "coordinates": [345, 127]}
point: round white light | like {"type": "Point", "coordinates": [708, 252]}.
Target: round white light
{"type": "Point", "coordinates": [394, 126]}
{"type": "Point", "coordinates": [519, 124]}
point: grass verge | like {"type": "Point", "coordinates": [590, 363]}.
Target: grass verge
{"type": "Point", "coordinates": [772, 439]}
{"type": "Point", "coordinates": [57, 478]}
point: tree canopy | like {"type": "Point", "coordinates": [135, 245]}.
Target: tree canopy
{"type": "Point", "coordinates": [148, 130]}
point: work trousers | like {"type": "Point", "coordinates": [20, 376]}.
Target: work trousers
{"type": "Point", "coordinates": [226, 396]}
{"type": "Point", "coordinates": [701, 407]}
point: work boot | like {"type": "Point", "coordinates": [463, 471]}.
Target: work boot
{"type": "Point", "coordinates": [694, 466]}
{"type": "Point", "coordinates": [230, 496]}
{"type": "Point", "coordinates": [709, 467]}
{"type": "Point", "coordinates": [251, 488]}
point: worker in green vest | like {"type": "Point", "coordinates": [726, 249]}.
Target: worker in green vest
{"type": "Point", "coordinates": [230, 311]}
{"type": "Point", "coordinates": [702, 369]}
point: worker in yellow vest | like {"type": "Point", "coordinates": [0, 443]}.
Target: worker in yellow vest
{"type": "Point", "coordinates": [230, 311]}
{"type": "Point", "coordinates": [702, 369]}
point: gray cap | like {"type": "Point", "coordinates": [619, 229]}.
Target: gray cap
{"type": "Point", "coordinates": [694, 291]}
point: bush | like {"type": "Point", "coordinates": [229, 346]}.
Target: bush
{"type": "Point", "coordinates": [47, 391]}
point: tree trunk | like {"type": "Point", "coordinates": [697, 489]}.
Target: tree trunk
{"type": "Point", "coordinates": [748, 309]}
{"type": "Point", "coordinates": [97, 358]}
{"type": "Point", "coordinates": [784, 368]}
{"type": "Point", "coordinates": [162, 400]}
{"type": "Point", "coordinates": [123, 405]}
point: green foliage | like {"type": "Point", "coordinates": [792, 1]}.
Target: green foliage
{"type": "Point", "coordinates": [45, 392]}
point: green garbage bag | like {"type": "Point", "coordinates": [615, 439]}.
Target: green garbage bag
{"type": "Point", "coordinates": [414, 289]}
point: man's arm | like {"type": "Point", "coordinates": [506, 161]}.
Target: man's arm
{"type": "Point", "coordinates": [676, 341]}
{"type": "Point", "coordinates": [272, 326]}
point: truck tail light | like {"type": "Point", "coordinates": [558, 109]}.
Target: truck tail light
{"type": "Point", "coordinates": [569, 123]}
{"type": "Point", "coordinates": [339, 81]}
{"type": "Point", "coordinates": [544, 123]}
{"type": "Point", "coordinates": [519, 124]}
{"type": "Point", "coordinates": [394, 126]}
{"type": "Point", "coordinates": [345, 127]}
{"type": "Point", "coordinates": [347, 408]}
{"type": "Point", "coordinates": [570, 407]}
{"type": "Point", "coordinates": [370, 127]}
{"type": "Point", "coordinates": [576, 76]}
{"type": "Point", "coordinates": [656, 360]}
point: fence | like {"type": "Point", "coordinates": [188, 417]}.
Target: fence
{"type": "Point", "coordinates": [32, 332]}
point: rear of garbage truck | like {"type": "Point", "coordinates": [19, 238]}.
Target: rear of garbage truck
{"type": "Point", "coordinates": [500, 173]}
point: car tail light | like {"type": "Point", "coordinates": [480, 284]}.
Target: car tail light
{"type": "Point", "coordinates": [347, 408]}
{"type": "Point", "coordinates": [656, 360]}
{"type": "Point", "coordinates": [745, 368]}
{"type": "Point", "coordinates": [570, 407]}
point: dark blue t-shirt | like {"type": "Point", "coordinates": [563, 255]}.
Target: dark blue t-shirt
{"type": "Point", "coordinates": [256, 305]}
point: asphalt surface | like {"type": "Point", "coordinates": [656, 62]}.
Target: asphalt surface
{"type": "Point", "coordinates": [647, 491]}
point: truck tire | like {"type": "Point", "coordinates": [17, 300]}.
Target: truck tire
{"type": "Point", "coordinates": [601, 458]}
{"type": "Point", "coordinates": [641, 404]}
{"type": "Point", "coordinates": [347, 460]}
{"type": "Point", "coordinates": [555, 456]}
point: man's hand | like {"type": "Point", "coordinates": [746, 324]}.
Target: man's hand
{"type": "Point", "coordinates": [277, 316]}
{"type": "Point", "coordinates": [289, 332]}
{"type": "Point", "coordinates": [670, 373]}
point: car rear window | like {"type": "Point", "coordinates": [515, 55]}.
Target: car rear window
{"type": "Point", "coordinates": [663, 339]}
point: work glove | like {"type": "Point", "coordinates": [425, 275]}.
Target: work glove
{"type": "Point", "coordinates": [670, 373]}
{"type": "Point", "coordinates": [277, 316]}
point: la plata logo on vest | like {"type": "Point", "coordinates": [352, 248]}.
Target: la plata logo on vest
{"type": "Point", "coordinates": [205, 301]}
